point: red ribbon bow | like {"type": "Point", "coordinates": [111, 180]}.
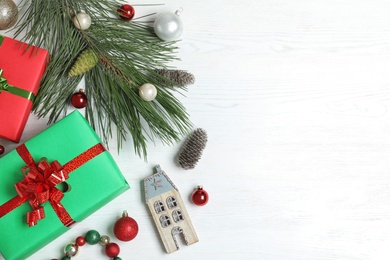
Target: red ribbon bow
{"type": "Point", "coordinates": [39, 186]}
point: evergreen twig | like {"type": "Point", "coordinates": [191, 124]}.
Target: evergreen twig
{"type": "Point", "coordinates": [129, 54]}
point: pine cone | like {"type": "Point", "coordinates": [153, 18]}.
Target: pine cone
{"type": "Point", "coordinates": [85, 61]}
{"type": "Point", "coordinates": [193, 149]}
{"type": "Point", "coordinates": [180, 77]}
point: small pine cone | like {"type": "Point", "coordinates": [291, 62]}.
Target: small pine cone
{"type": "Point", "coordinates": [180, 77]}
{"type": "Point", "coordinates": [193, 149]}
{"type": "Point", "coordinates": [85, 61]}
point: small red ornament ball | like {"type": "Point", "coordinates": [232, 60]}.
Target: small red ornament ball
{"type": "Point", "coordinates": [79, 99]}
{"type": "Point", "coordinates": [126, 12]}
{"type": "Point", "coordinates": [200, 197]}
{"type": "Point", "coordinates": [80, 241]}
{"type": "Point", "coordinates": [125, 228]}
{"type": "Point", "coordinates": [2, 149]}
{"type": "Point", "coordinates": [112, 250]}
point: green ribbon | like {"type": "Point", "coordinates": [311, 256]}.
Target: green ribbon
{"type": "Point", "coordinates": [4, 86]}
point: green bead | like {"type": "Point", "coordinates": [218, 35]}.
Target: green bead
{"type": "Point", "coordinates": [92, 237]}
{"type": "Point", "coordinates": [65, 258]}
{"type": "Point", "coordinates": [117, 258]}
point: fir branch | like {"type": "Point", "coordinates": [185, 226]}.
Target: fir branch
{"type": "Point", "coordinates": [129, 54]}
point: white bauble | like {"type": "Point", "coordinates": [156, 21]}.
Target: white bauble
{"type": "Point", "coordinates": [82, 21]}
{"type": "Point", "coordinates": [148, 92]}
{"type": "Point", "coordinates": [168, 26]}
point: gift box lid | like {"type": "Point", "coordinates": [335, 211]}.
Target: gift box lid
{"type": "Point", "coordinates": [93, 184]}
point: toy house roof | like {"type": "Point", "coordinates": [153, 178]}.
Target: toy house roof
{"type": "Point", "coordinates": [157, 184]}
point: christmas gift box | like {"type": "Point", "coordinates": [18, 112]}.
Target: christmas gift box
{"type": "Point", "coordinates": [21, 70]}
{"type": "Point", "coordinates": [54, 180]}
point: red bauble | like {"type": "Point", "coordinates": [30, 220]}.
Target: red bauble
{"type": "Point", "coordinates": [79, 99]}
{"type": "Point", "coordinates": [80, 241]}
{"type": "Point", "coordinates": [126, 12]}
{"type": "Point", "coordinates": [200, 197]}
{"type": "Point", "coordinates": [125, 228]}
{"type": "Point", "coordinates": [112, 250]}
{"type": "Point", "coordinates": [2, 149]}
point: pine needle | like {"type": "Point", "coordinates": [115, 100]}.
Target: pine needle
{"type": "Point", "coordinates": [129, 54]}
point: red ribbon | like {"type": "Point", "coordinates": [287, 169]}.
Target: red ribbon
{"type": "Point", "coordinates": [39, 184]}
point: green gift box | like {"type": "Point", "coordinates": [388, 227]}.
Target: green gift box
{"type": "Point", "coordinates": [75, 178]}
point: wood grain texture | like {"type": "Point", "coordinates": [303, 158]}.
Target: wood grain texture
{"type": "Point", "coordinates": [295, 97]}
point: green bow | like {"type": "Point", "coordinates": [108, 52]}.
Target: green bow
{"type": "Point", "coordinates": [3, 82]}
{"type": "Point", "coordinates": [4, 86]}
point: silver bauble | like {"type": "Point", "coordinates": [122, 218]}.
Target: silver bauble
{"type": "Point", "coordinates": [8, 14]}
{"type": "Point", "coordinates": [168, 26]}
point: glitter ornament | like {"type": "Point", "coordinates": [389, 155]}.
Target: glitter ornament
{"type": "Point", "coordinates": [168, 26]}
{"type": "Point", "coordinates": [125, 228]}
{"type": "Point", "coordinates": [8, 14]}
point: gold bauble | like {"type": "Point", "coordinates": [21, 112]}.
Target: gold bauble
{"type": "Point", "coordinates": [8, 14]}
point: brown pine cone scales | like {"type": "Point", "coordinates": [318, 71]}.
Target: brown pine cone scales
{"type": "Point", "coordinates": [192, 150]}
{"type": "Point", "coordinates": [179, 77]}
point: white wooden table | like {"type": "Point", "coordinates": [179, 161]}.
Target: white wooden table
{"type": "Point", "coordinates": [295, 97]}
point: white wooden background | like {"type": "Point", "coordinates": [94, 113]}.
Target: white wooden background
{"type": "Point", "coordinates": [295, 97]}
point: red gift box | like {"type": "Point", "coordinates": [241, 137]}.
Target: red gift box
{"type": "Point", "coordinates": [21, 71]}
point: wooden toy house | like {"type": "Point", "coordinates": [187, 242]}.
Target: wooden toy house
{"type": "Point", "coordinates": [168, 211]}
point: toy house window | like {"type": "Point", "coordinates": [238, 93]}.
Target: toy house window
{"type": "Point", "coordinates": [177, 216]}
{"type": "Point", "coordinates": [165, 220]}
{"type": "Point", "coordinates": [172, 203]}
{"type": "Point", "coordinates": [159, 206]}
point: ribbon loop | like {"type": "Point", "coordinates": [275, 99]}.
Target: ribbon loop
{"type": "Point", "coordinates": [3, 82]}
{"type": "Point", "coordinates": [38, 186]}
{"type": "Point", "coordinates": [35, 215]}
